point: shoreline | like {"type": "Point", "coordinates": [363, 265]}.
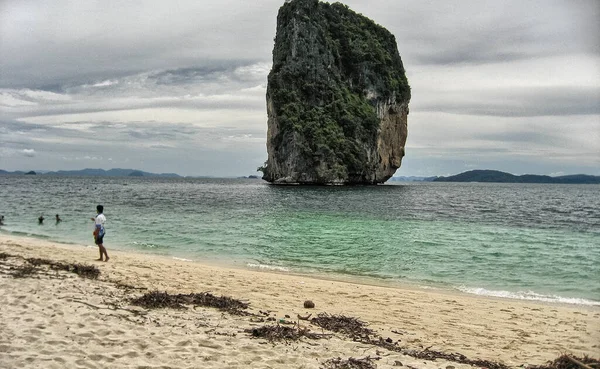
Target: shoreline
{"type": "Point", "coordinates": [529, 296]}
{"type": "Point", "coordinates": [514, 332]}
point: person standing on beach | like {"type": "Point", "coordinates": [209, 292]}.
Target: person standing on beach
{"type": "Point", "coordinates": [99, 231]}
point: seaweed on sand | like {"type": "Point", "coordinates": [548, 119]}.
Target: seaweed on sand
{"type": "Point", "coordinates": [83, 270]}
{"type": "Point", "coordinates": [223, 303]}
{"type": "Point", "coordinates": [357, 330]}
{"type": "Point", "coordinates": [352, 327]}
{"type": "Point", "coordinates": [275, 333]}
{"type": "Point", "coordinates": [566, 361]}
{"type": "Point", "coordinates": [157, 300]}
{"type": "Point", "coordinates": [428, 354]}
{"type": "Point", "coordinates": [4, 256]}
{"type": "Point", "coordinates": [350, 363]}
{"type": "Point", "coordinates": [23, 271]}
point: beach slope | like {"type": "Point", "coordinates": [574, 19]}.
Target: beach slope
{"type": "Point", "coordinates": [57, 319]}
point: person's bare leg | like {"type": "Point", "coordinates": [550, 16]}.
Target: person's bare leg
{"type": "Point", "coordinates": [100, 249]}
{"type": "Point", "coordinates": [103, 251]}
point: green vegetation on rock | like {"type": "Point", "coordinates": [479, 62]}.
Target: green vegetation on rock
{"type": "Point", "coordinates": [330, 68]}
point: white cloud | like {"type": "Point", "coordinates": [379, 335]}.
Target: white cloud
{"type": "Point", "coordinates": [29, 152]}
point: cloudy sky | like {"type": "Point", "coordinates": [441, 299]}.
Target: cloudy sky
{"type": "Point", "coordinates": [180, 86]}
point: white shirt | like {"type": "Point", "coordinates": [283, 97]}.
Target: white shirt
{"type": "Point", "coordinates": [100, 220]}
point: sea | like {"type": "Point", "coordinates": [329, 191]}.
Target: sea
{"type": "Point", "coordinates": [515, 241]}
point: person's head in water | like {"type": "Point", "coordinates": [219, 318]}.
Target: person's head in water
{"type": "Point", "coordinates": [99, 209]}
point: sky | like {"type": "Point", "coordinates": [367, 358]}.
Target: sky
{"type": "Point", "coordinates": [180, 86]}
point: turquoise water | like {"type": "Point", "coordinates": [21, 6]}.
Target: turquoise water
{"type": "Point", "coordinates": [525, 241]}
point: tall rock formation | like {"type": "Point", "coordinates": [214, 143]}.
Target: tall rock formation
{"type": "Point", "coordinates": [337, 98]}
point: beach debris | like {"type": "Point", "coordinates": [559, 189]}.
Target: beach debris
{"type": "Point", "coordinates": [358, 331]}
{"type": "Point", "coordinates": [432, 355]}
{"type": "Point", "coordinates": [351, 327]}
{"type": "Point", "coordinates": [157, 300]}
{"type": "Point", "coordinates": [31, 268]}
{"type": "Point", "coordinates": [351, 363]}
{"type": "Point", "coordinates": [83, 270]}
{"type": "Point", "coordinates": [126, 286]}
{"type": "Point", "coordinates": [277, 333]}
{"type": "Point", "coordinates": [309, 304]}
{"type": "Point", "coordinates": [223, 303]}
{"type": "Point", "coordinates": [300, 317]}
{"type": "Point", "coordinates": [23, 271]}
{"type": "Point", "coordinates": [566, 361]}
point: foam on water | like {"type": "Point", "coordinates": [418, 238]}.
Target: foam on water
{"type": "Point", "coordinates": [527, 295]}
{"type": "Point", "coordinates": [267, 267]}
{"type": "Point", "coordinates": [181, 259]}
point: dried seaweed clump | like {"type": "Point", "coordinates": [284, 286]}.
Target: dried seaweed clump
{"type": "Point", "coordinates": [4, 256]}
{"type": "Point", "coordinates": [349, 326]}
{"type": "Point", "coordinates": [358, 331]}
{"type": "Point", "coordinates": [432, 355]}
{"type": "Point", "coordinates": [83, 270]}
{"type": "Point", "coordinates": [23, 271]}
{"type": "Point", "coordinates": [223, 303]}
{"type": "Point", "coordinates": [570, 362]}
{"type": "Point", "coordinates": [157, 300]}
{"type": "Point", "coordinates": [38, 261]}
{"type": "Point", "coordinates": [274, 333]}
{"type": "Point", "coordinates": [351, 363]}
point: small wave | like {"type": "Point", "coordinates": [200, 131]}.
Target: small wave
{"type": "Point", "coordinates": [267, 267]}
{"type": "Point", "coordinates": [528, 295]}
{"type": "Point", "coordinates": [426, 243]}
{"type": "Point", "coordinates": [150, 245]}
{"type": "Point", "coordinates": [181, 259]}
{"type": "Point", "coordinates": [29, 234]}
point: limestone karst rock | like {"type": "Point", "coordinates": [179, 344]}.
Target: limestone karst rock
{"type": "Point", "coordinates": [337, 98]}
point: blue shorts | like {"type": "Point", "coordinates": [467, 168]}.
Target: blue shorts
{"type": "Point", "coordinates": [99, 240]}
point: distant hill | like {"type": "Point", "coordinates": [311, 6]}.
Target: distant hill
{"type": "Point", "coordinates": [503, 177]}
{"type": "Point", "coordinates": [4, 172]}
{"type": "Point", "coordinates": [117, 172]}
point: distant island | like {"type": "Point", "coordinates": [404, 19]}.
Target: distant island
{"type": "Point", "coordinates": [503, 177]}
{"type": "Point", "coordinates": [470, 176]}
{"type": "Point", "coordinates": [116, 172]}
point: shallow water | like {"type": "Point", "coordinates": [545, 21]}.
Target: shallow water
{"type": "Point", "coordinates": [527, 241]}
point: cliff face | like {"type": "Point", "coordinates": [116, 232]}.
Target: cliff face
{"type": "Point", "coordinates": [337, 98]}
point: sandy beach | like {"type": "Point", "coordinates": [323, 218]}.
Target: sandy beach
{"type": "Point", "coordinates": [55, 319]}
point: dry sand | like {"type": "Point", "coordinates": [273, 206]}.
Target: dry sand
{"type": "Point", "coordinates": [58, 319]}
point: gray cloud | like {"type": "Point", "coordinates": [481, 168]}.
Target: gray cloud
{"type": "Point", "coordinates": [232, 87]}
{"type": "Point", "coordinates": [520, 102]}
{"type": "Point", "coordinates": [504, 85]}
